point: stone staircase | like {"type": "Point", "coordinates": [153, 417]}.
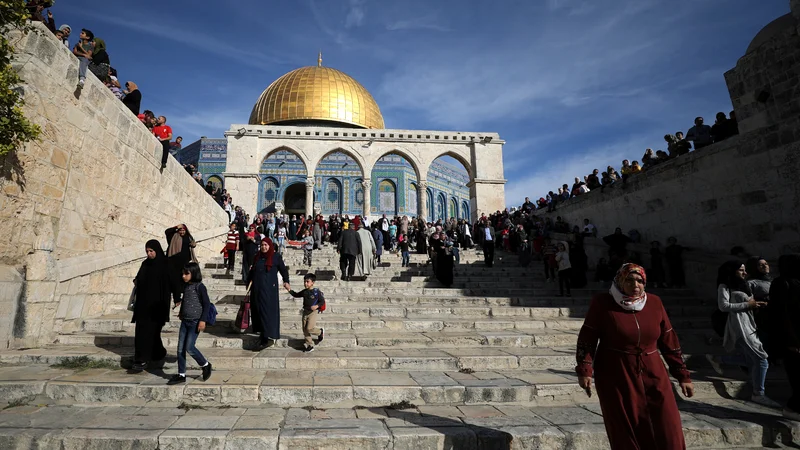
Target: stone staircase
{"type": "Point", "coordinates": [406, 362]}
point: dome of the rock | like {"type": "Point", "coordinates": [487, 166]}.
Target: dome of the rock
{"type": "Point", "coordinates": [317, 94]}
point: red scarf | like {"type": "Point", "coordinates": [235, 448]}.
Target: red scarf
{"type": "Point", "coordinates": [266, 257]}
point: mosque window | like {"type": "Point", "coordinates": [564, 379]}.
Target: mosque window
{"type": "Point", "coordinates": [270, 190]}
{"type": "Point", "coordinates": [386, 197]}
{"type": "Point", "coordinates": [453, 211]}
{"type": "Point", "coordinates": [333, 196]}
{"type": "Point", "coordinates": [430, 206]}
{"type": "Point", "coordinates": [464, 210]}
{"type": "Point", "coordinates": [440, 207]}
{"type": "Point", "coordinates": [359, 189]}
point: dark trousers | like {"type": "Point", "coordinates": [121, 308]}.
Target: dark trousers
{"type": "Point", "coordinates": [791, 363]}
{"type": "Point", "coordinates": [488, 253]}
{"type": "Point", "coordinates": [387, 241]}
{"type": "Point", "coordinates": [347, 262]}
{"type": "Point", "coordinates": [187, 337]}
{"type": "Point", "coordinates": [231, 258]}
{"type": "Point", "coordinates": [165, 152]}
{"type": "Point", "coordinates": [564, 280]}
{"type": "Point", "coordinates": [147, 341]}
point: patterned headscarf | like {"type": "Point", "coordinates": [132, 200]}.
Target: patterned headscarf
{"type": "Point", "coordinates": [627, 302]}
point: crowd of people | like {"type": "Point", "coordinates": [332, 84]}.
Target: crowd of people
{"type": "Point", "coordinates": [700, 135]}
{"type": "Point", "coordinates": [93, 56]}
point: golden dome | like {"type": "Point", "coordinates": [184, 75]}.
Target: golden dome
{"type": "Point", "coordinates": [317, 93]}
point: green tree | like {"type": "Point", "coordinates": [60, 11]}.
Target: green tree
{"type": "Point", "coordinates": [15, 128]}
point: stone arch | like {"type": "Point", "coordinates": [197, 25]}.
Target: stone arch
{"type": "Point", "coordinates": [463, 159]}
{"type": "Point", "coordinates": [355, 156]}
{"type": "Point", "coordinates": [264, 167]}
{"type": "Point", "coordinates": [415, 164]}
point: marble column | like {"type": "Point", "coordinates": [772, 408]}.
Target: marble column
{"type": "Point", "coordinates": [367, 184]}
{"type": "Point", "coordinates": [422, 199]}
{"type": "Point", "coordinates": [310, 196]}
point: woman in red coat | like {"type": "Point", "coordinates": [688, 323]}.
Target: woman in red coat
{"type": "Point", "coordinates": [639, 408]}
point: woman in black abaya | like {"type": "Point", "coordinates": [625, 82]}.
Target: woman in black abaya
{"type": "Point", "coordinates": [264, 294]}
{"type": "Point", "coordinates": [151, 311]}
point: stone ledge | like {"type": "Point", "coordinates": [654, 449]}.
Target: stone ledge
{"type": "Point", "coordinates": [78, 266]}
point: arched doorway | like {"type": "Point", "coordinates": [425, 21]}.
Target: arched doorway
{"type": "Point", "coordinates": [294, 199]}
{"type": "Point", "coordinates": [387, 198]}
{"type": "Point", "coordinates": [216, 181]}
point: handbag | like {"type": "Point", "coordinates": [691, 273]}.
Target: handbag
{"type": "Point", "coordinates": [242, 322]}
{"type": "Point", "coordinates": [132, 299]}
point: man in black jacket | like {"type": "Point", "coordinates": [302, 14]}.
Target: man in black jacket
{"type": "Point", "coordinates": [489, 237]}
{"type": "Point", "coordinates": [349, 247]}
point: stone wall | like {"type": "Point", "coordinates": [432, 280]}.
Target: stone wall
{"type": "Point", "coordinates": [742, 191]}
{"type": "Point", "coordinates": [765, 84]}
{"type": "Point", "coordinates": [79, 203]}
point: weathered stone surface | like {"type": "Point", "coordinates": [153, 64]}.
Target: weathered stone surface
{"type": "Point", "coordinates": [336, 433]}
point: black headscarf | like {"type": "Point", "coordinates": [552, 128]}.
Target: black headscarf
{"type": "Point", "coordinates": [153, 286]}
{"type": "Point", "coordinates": [727, 275]}
{"type": "Point", "coordinates": [789, 266]}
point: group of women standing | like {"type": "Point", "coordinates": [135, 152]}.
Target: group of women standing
{"type": "Point", "coordinates": [762, 323]}
{"type": "Point", "coordinates": [160, 278]}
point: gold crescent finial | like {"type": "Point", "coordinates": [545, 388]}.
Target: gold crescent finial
{"type": "Point", "coordinates": [319, 59]}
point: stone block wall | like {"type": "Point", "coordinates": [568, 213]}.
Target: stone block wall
{"type": "Point", "coordinates": [772, 70]}
{"type": "Point", "coordinates": [78, 205]}
{"type": "Point", "coordinates": [741, 191]}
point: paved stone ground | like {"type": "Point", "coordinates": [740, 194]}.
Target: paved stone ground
{"type": "Point", "coordinates": [486, 363]}
{"type": "Point", "coordinates": [715, 423]}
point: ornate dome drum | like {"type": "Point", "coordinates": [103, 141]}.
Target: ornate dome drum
{"type": "Point", "coordinates": [316, 93]}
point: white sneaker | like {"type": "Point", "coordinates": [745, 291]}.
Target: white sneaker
{"type": "Point", "coordinates": [715, 364]}
{"type": "Point", "coordinates": [763, 400]}
{"type": "Point", "coordinates": [81, 81]}
{"type": "Point", "coordinates": [791, 415]}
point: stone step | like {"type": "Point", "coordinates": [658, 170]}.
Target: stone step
{"type": "Point", "coordinates": [370, 338]}
{"type": "Point", "coordinates": [335, 322]}
{"type": "Point", "coordinates": [706, 424]}
{"type": "Point", "coordinates": [322, 388]}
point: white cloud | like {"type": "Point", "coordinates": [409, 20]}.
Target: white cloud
{"type": "Point", "coordinates": [429, 22]}
{"type": "Point", "coordinates": [355, 14]}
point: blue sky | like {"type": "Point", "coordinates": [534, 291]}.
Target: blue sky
{"type": "Point", "coordinates": [571, 85]}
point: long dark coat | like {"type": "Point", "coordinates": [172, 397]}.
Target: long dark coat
{"type": "Point", "coordinates": [177, 261]}
{"type": "Point", "coordinates": [265, 297]}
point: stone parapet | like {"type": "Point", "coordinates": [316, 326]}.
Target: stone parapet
{"type": "Point", "coordinates": [89, 188]}
{"type": "Point", "coordinates": [737, 192]}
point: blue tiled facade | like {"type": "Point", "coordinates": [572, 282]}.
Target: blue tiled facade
{"type": "Point", "coordinates": [338, 179]}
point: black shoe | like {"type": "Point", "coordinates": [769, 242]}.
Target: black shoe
{"type": "Point", "coordinates": [321, 335]}
{"type": "Point", "coordinates": [206, 372]}
{"type": "Point", "coordinates": [138, 367]}
{"type": "Point", "coordinates": [269, 343]}
{"type": "Point", "coordinates": [309, 349]}
{"type": "Point", "coordinates": [177, 379]}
